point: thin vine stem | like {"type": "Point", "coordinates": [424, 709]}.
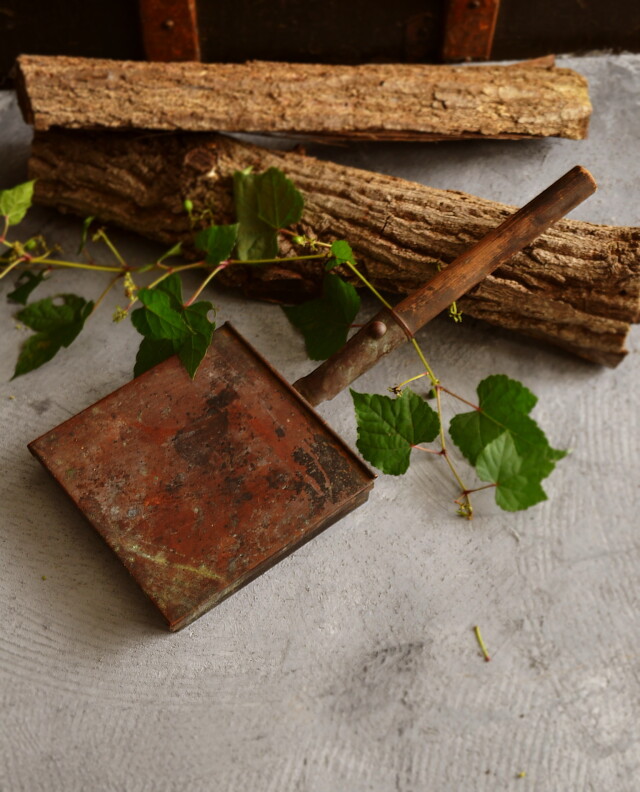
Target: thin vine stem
{"type": "Point", "coordinates": [369, 286]}
{"type": "Point", "coordinates": [434, 380]}
{"type": "Point", "coordinates": [459, 398]}
{"type": "Point", "coordinates": [171, 270]}
{"type": "Point", "coordinates": [399, 387]}
{"type": "Point", "coordinates": [465, 506]}
{"type": "Point", "coordinates": [10, 267]}
{"type": "Point", "coordinates": [205, 282]}
{"type": "Point", "coordinates": [230, 262]}
{"type": "Point", "coordinates": [106, 291]}
{"type": "Point", "coordinates": [481, 644]}
{"type": "Point", "coordinates": [479, 489]}
{"type": "Point", "coordinates": [277, 259]}
{"type": "Point", "coordinates": [100, 234]}
{"type": "Point", "coordinates": [387, 304]}
{"type": "Point", "coordinates": [76, 265]}
{"type": "Point", "coordinates": [428, 450]}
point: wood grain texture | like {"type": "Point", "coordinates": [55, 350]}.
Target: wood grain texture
{"type": "Point", "coordinates": [373, 101]}
{"type": "Point", "coordinates": [577, 286]}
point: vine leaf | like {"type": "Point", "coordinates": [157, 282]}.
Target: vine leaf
{"type": "Point", "coordinates": [517, 478]}
{"type": "Point", "coordinates": [151, 352]}
{"type": "Point", "coordinates": [325, 322]}
{"type": "Point", "coordinates": [85, 232]}
{"type": "Point", "coordinates": [169, 327]}
{"type": "Point", "coordinates": [280, 203]}
{"type": "Point", "coordinates": [158, 319]}
{"type": "Point", "coordinates": [173, 287]}
{"type": "Point", "coordinates": [56, 326]}
{"type": "Point", "coordinates": [341, 253]}
{"type": "Point", "coordinates": [176, 250]}
{"type": "Point", "coordinates": [388, 428]}
{"type": "Point", "coordinates": [256, 239]}
{"type": "Point", "coordinates": [217, 242]}
{"type": "Point", "coordinates": [195, 345]}
{"type": "Point", "coordinates": [504, 405]}
{"type": "Point", "coordinates": [15, 203]}
{"type": "Point", "coordinates": [25, 284]}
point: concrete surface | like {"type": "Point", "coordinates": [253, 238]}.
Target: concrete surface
{"type": "Point", "coordinates": [351, 665]}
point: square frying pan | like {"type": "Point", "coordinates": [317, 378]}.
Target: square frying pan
{"type": "Point", "coordinates": [200, 486]}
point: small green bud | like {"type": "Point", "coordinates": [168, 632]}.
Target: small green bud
{"type": "Point", "coordinates": [188, 206]}
{"type": "Point", "coordinates": [30, 244]}
{"type": "Point", "coordinates": [130, 288]}
{"type": "Point", "coordinates": [299, 240]}
{"type": "Point", "coordinates": [119, 314]}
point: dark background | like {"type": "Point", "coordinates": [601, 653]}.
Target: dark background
{"type": "Point", "coordinates": [344, 31]}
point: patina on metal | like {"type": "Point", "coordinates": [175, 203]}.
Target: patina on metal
{"type": "Point", "coordinates": [199, 486]}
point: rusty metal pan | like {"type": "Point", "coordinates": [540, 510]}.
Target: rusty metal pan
{"type": "Point", "coordinates": [199, 486]}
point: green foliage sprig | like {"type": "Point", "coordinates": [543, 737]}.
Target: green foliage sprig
{"type": "Point", "coordinates": [497, 437]}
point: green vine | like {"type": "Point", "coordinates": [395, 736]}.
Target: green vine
{"type": "Point", "coordinates": [497, 437]}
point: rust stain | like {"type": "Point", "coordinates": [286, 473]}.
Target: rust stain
{"type": "Point", "coordinates": [469, 29]}
{"type": "Point", "coordinates": [170, 30]}
{"type": "Point", "coordinates": [199, 486]}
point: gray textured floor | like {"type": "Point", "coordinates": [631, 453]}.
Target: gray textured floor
{"type": "Point", "coordinates": [352, 664]}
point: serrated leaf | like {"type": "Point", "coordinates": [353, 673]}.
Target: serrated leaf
{"type": "Point", "coordinates": [151, 352]}
{"type": "Point", "coordinates": [197, 319]}
{"type": "Point", "coordinates": [176, 250]}
{"type": "Point", "coordinates": [192, 351]}
{"type": "Point", "coordinates": [158, 319]}
{"type": "Point", "coordinates": [47, 315]}
{"type": "Point", "coordinates": [325, 322]}
{"type": "Point", "coordinates": [504, 406]}
{"type": "Point", "coordinates": [516, 477]}
{"type": "Point", "coordinates": [341, 252]}
{"type": "Point", "coordinates": [256, 239]}
{"type": "Point", "coordinates": [57, 325]}
{"type": "Point", "coordinates": [388, 428]}
{"type": "Point", "coordinates": [173, 287]}
{"type": "Point", "coordinates": [171, 328]}
{"type": "Point", "coordinates": [85, 232]}
{"type": "Point", "coordinates": [280, 203]}
{"type": "Point", "coordinates": [217, 242]}
{"type": "Point", "coordinates": [25, 284]}
{"type": "Point", "coordinates": [341, 249]}
{"type": "Point", "coordinates": [194, 347]}
{"type": "Point", "coordinates": [15, 203]}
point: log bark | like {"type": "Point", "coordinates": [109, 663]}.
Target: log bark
{"type": "Point", "coordinates": [372, 101]}
{"type": "Point", "coordinates": [577, 286]}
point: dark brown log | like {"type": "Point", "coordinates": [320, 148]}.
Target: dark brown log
{"type": "Point", "coordinates": [577, 286]}
{"type": "Point", "coordinates": [373, 101]}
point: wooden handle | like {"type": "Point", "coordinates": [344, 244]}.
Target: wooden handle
{"type": "Point", "coordinates": [385, 331]}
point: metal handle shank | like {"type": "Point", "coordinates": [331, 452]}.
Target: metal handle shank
{"type": "Point", "coordinates": [383, 333]}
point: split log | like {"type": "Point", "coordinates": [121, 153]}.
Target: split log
{"type": "Point", "coordinates": [368, 102]}
{"type": "Point", "coordinates": [577, 287]}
